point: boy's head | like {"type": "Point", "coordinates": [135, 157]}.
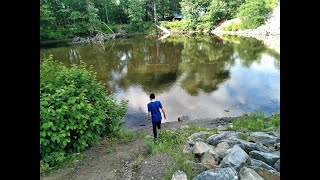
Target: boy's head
{"type": "Point", "coordinates": [152, 96]}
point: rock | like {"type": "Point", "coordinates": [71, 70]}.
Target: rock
{"type": "Point", "coordinates": [217, 138]}
{"type": "Point", "coordinates": [277, 146]}
{"type": "Point", "coordinates": [268, 158]}
{"type": "Point", "coordinates": [200, 135]}
{"type": "Point", "coordinates": [209, 160]}
{"type": "Point", "coordinates": [184, 127]}
{"type": "Point", "coordinates": [200, 148]}
{"type": "Point", "coordinates": [142, 125]}
{"type": "Point", "coordinates": [198, 167]}
{"type": "Point", "coordinates": [183, 118]}
{"type": "Point", "coordinates": [226, 110]}
{"type": "Point", "coordinates": [222, 147]}
{"type": "Point", "coordinates": [277, 165]}
{"type": "Point", "coordinates": [237, 158]}
{"type": "Point", "coordinates": [269, 143]}
{"type": "Point", "coordinates": [261, 164]}
{"type": "Point", "coordinates": [222, 128]}
{"type": "Point", "coordinates": [247, 146]}
{"type": "Point", "coordinates": [187, 149]}
{"type": "Point", "coordinates": [276, 153]}
{"type": "Point", "coordinates": [179, 175]}
{"type": "Point", "coordinates": [267, 174]}
{"type": "Point", "coordinates": [259, 136]}
{"type": "Point", "coordinates": [218, 174]}
{"type": "Point", "coordinates": [249, 174]}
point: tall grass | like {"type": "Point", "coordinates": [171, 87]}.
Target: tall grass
{"type": "Point", "coordinates": [172, 142]}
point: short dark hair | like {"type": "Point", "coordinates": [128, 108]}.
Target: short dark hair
{"type": "Point", "coordinates": [152, 96]}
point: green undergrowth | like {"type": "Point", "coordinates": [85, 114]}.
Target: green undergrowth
{"type": "Point", "coordinates": [256, 122]}
{"type": "Point", "coordinates": [171, 142]}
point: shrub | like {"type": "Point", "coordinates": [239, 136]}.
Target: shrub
{"type": "Point", "coordinates": [254, 13]}
{"type": "Point", "coordinates": [176, 25]}
{"type": "Point", "coordinates": [75, 111]}
{"type": "Point", "coordinates": [232, 27]}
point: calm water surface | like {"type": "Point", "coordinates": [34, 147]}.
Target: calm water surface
{"type": "Point", "coordinates": [198, 76]}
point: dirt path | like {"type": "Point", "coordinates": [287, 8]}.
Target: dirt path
{"type": "Point", "coordinates": [99, 164]}
{"type": "Point", "coordinates": [119, 164]}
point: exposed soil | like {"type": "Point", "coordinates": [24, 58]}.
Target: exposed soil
{"type": "Point", "coordinates": [120, 164]}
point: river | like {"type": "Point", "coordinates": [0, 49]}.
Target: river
{"type": "Point", "coordinates": [200, 76]}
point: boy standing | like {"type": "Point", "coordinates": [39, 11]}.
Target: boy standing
{"type": "Point", "coordinates": [154, 114]}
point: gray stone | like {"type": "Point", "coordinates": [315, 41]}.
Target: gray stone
{"type": "Point", "coordinates": [209, 160]}
{"type": "Point", "coordinates": [200, 148]}
{"type": "Point", "coordinates": [276, 153]}
{"type": "Point", "coordinates": [198, 167]}
{"type": "Point", "coordinates": [231, 142]}
{"type": "Point", "coordinates": [268, 158]}
{"type": "Point", "coordinates": [179, 175]}
{"type": "Point", "coordinates": [184, 127]}
{"type": "Point", "coordinates": [222, 147]}
{"type": "Point", "coordinates": [222, 128]}
{"type": "Point", "coordinates": [217, 138]}
{"type": "Point", "coordinates": [249, 174]}
{"type": "Point", "coordinates": [259, 136]}
{"type": "Point", "coordinates": [237, 158]}
{"type": "Point", "coordinates": [266, 174]}
{"type": "Point", "coordinates": [218, 174]}
{"type": "Point", "coordinates": [261, 164]}
{"type": "Point", "coordinates": [187, 149]}
{"type": "Point", "coordinates": [277, 165]}
{"type": "Point", "coordinates": [277, 146]}
{"type": "Point", "coordinates": [247, 146]}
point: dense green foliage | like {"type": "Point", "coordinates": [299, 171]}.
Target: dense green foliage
{"type": "Point", "coordinates": [74, 111]}
{"type": "Point", "coordinates": [62, 19]}
{"type": "Point", "coordinates": [253, 13]}
{"type": "Point", "coordinates": [232, 27]}
{"type": "Point", "coordinates": [257, 122]}
{"type": "Point", "coordinates": [172, 143]}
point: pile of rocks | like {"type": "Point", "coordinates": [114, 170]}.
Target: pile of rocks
{"type": "Point", "coordinates": [232, 155]}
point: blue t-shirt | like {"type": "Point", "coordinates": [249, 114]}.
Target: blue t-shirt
{"type": "Point", "coordinates": [153, 107]}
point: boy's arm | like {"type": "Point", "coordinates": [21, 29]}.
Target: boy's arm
{"type": "Point", "coordinates": [149, 117]}
{"type": "Point", "coordinates": [164, 114]}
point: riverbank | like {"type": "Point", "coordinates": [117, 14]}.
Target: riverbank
{"type": "Point", "coordinates": [194, 147]}
{"type": "Point", "coordinates": [268, 33]}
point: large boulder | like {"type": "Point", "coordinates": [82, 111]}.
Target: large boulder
{"type": "Point", "coordinates": [237, 158]}
{"type": "Point", "coordinates": [261, 164]}
{"type": "Point", "coordinates": [209, 160]}
{"type": "Point", "coordinates": [179, 175]}
{"type": "Point", "coordinates": [249, 146]}
{"type": "Point", "coordinates": [266, 174]}
{"type": "Point", "coordinates": [220, 151]}
{"type": "Point", "coordinates": [269, 158]}
{"type": "Point", "coordinates": [216, 138]}
{"type": "Point", "coordinates": [218, 174]}
{"type": "Point", "coordinates": [259, 136]}
{"type": "Point", "coordinates": [199, 136]}
{"type": "Point", "coordinates": [200, 148]}
{"type": "Point", "coordinates": [249, 174]}
{"type": "Point", "coordinates": [277, 165]}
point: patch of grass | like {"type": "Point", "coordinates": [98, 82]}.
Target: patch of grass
{"type": "Point", "coordinates": [138, 161]}
{"type": "Point", "coordinates": [256, 122]}
{"type": "Point", "coordinates": [172, 143]}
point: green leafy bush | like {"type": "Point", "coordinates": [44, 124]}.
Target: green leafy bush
{"type": "Point", "coordinates": [75, 111]}
{"type": "Point", "coordinates": [176, 25]}
{"type": "Point", "coordinates": [254, 13]}
{"type": "Point", "coordinates": [232, 27]}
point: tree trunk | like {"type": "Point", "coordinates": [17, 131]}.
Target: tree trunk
{"type": "Point", "coordinates": [106, 13]}
{"type": "Point", "coordinates": [155, 13]}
